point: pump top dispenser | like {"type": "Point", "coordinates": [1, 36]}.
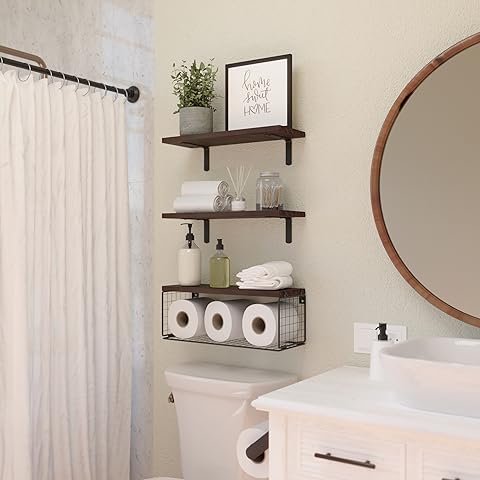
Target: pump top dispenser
{"type": "Point", "coordinates": [382, 332]}
{"type": "Point", "coordinates": [189, 261]}
{"type": "Point", "coordinates": [190, 237]}
{"type": "Point", "coordinates": [376, 368]}
{"type": "Point", "coordinates": [219, 268]}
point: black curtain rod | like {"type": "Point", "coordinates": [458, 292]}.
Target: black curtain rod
{"type": "Point", "coordinates": [132, 93]}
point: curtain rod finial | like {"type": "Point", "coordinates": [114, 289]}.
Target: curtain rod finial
{"type": "Point", "coordinates": [133, 94]}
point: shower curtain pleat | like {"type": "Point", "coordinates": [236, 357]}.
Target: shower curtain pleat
{"type": "Point", "coordinates": [62, 459]}
{"type": "Point", "coordinates": [65, 353]}
{"type": "Point", "coordinates": [75, 314]}
{"type": "Point", "coordinates": [15, 425]}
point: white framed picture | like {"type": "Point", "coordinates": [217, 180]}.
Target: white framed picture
{"type": "Point", "coordinates": [259, 93]}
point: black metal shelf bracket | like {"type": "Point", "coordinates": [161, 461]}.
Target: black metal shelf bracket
{"type": "Point", "coordinates": [206, 231]}
{"type": "Point", "coordinates": [288, 151]}
{"type": "Point", "coordinates": [288, 155]}
{"type": "Point", "coordinates": [288, 230]}
{"type": "Point", "coordinates": [206, 159]}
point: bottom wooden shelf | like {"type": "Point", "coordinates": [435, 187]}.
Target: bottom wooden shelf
{"type": "Point", "coordinates": [234, 290]}
{"type": "Point", "coordinates": [291, 321]}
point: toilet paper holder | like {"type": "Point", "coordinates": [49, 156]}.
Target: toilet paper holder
{"type": "Point", "coordinates": [256, 451]}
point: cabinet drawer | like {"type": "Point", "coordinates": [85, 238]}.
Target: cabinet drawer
{"type": "Point", "coordinates": [440, 465]}
{"type": "Point", "coordinates": [325, 454]}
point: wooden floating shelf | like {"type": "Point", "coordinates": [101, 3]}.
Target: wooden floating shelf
{"type": "Point", "coordinates": [234, 290]}
{"type": "Point", "coordinates": [207, 216]}
{"type": "Point", "coordinates": [235, 137]}
{"type": "Point", "coordinates": [274, 213]}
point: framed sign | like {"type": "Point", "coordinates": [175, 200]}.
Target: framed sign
{"type": "Point", "coordinates": [259, 93]}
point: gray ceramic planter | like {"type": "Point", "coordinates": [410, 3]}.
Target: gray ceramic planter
{"type": "Point", "coordinates": [196, 120]}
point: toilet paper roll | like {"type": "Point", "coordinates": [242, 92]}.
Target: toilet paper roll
{"type": "Point", "coordinates": [260, 323]}
{"type": "Point", "coordinates": [245, 439]}
{"type": "Point", "coordinates": [185, 317]}
{"type": "Point", "coordinates": [223, 320]}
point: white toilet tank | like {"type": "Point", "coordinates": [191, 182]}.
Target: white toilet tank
{"type": "Point", "coordinates": [213, 407]}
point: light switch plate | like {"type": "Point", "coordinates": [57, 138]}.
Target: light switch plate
{"type": "Point", "coordinates": [364, 334]}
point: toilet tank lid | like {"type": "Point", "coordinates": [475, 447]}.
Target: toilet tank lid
{"type": "Point", "coordinates": [225, 380]}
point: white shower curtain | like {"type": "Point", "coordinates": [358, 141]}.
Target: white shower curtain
{"type": "Point", "coordinates": [65, 353]}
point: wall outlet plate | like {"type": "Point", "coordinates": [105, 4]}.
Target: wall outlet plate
{"type": "Point", "coordinates": [364, 334]}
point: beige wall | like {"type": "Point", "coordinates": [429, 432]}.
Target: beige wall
{"type": "Point", "coordinates": [351, 60]}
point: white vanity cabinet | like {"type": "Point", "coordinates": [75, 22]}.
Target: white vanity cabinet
{"type": "Point", "coordinates": [341, 426]}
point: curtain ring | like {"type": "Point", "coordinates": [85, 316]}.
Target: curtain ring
{"type": "Point", "coordinates": [29, 74]}
{"type": "Point", "coordinates": [1, 67]}
{"type": "Point", "coordinates": [116, 95]}
{"type": "Point", "coordinates": [88, 91]}
{"type": "Point", "coordinates": [106, 91]}
{"type": "Point", "coordinates": [78, 84]}
{"type": "Point", "coordinates": [126, 96]}
{"type": "Point", "coordinates": [63, 83]}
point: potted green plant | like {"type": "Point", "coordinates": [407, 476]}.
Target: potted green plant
{"type": "Point", "coordinates": [194, 87]}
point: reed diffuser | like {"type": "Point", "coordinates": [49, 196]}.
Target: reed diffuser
{"type": "Point", "coordinates": [239, 182]}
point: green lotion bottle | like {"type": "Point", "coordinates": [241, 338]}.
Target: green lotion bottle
{"type": "Point", "coordinates": [219, 268]}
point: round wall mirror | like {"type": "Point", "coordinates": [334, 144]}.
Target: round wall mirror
{"type": "Point", "coordinates": [425, 182]}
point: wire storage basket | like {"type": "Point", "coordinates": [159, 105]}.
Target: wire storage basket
{"type": "Point", "coordinates": [290, 305]}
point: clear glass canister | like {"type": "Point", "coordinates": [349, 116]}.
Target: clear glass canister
{"type": "Point", "coordinates": [269, 191]}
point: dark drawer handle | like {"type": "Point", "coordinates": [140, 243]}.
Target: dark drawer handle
{"type": "Point", "coordinates": [456, 478]}
{"type": "Point", "coordinates": [329, 456]}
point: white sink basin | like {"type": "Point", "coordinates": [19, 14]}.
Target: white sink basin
{"type": "Point", "coordinates": [435, 374]}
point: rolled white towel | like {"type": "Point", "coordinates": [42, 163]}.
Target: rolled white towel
{"type": "Point", "coordinates": [227, 203]}
{"type": "Point", "coordinates": [205, 187]}
{"type": "Point", "coordinates": [278, 268]}
{"type": "Point", "coordinates": [275, 283]}
{"type": "Point", "coordinates": [199, 203]}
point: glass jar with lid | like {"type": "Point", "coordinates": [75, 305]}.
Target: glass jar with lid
{"type": "Point", "coordinates": [269, 191]}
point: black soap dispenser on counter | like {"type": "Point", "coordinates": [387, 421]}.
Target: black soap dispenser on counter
{"type": "Point", "coordinates": [376, 370]}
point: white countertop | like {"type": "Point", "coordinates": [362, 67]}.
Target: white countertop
{"type": "Point", "coordinates": [347, 393]}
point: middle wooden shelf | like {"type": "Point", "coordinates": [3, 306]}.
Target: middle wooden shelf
{"type": "Point", "coordinates": [248, 214]}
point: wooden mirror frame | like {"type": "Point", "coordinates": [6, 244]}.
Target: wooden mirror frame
{"type": "Point", "coordinates": [376, 174]}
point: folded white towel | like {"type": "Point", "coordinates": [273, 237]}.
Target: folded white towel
{"type": "Point", "coordinates": [205, 187]}
{"type": "Point", "coordinates": [199, 203]}
{"type": "Point", "coordinates": [267, 270]}
{"type": "Point", "coordinates": [275, 283]}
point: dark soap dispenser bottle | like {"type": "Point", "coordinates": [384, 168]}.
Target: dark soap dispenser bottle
{"type": "Point", "coordinates": [376, 369]}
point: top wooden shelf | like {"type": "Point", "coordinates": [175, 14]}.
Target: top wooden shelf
{"type": "Point", "coordinates": [234, 137]}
